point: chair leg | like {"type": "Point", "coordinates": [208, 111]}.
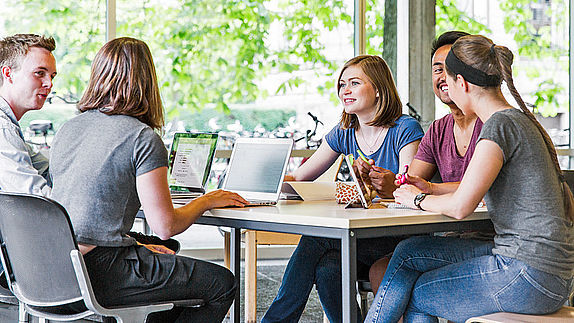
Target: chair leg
{"type": "Point", "coordinates": [227, 249]}
{"type": "Point", "coordinates": [22, 314]}
{"type": "Point", "coordinates": [227, 256]}
{"type": "Point", "coordinates": [250, 276]}
{"type": "Point", "coordinates": [364, 304]}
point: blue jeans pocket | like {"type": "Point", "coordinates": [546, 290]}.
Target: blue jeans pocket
{"type": "Point", "coordinates": [532, 292]}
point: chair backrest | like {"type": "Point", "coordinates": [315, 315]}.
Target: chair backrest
{"type": "Point", "coordinates": [37, 238]}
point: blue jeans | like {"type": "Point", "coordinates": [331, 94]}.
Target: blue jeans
{"type": "Point", "coordinates": [430, 277]}
{"type": "Point", "coordinates": [317, 261]}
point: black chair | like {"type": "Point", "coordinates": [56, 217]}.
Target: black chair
{"type": "Point", "coordinates": [45, 269]}
{"type": "Point", "coordinates": [364, 288]}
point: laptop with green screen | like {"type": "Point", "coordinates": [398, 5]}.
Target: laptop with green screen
{"type": "Point", "coordinates": [190, 159]}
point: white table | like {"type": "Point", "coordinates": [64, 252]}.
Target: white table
{"type": "Point", "coordinates": [330, 220]}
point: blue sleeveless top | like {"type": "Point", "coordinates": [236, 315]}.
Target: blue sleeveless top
{"type": "Point", "coordinates": [405, 131]}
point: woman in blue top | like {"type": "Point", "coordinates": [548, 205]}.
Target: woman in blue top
{"type": "Point", "coordinates": [372, 121]}
{"type": "Point", "coordinates": [528, 268]}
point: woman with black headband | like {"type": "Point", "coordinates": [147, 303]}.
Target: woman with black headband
{"type": "Point", "coordinates": [529, 266]}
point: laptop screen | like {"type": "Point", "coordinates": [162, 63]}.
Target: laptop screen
{"type": "Point", "coordinates": [258, 165]}
{"type": "Point", "coordinates": [190, 159]}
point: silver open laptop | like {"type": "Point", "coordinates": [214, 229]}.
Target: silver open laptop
{"type": "Point", "coordinates": [257, 167]}
{"type": "Point", "coordinates": [190, 159]}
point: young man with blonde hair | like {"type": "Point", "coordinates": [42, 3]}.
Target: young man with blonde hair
{"type": "Point", "coordinates": [27, 68]}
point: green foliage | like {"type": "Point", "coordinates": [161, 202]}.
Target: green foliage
{"type": "Point", "coordinates": [532, 41]}
{"type": "Point", "coordinates": [248, 118]}
{"type": "Point", "coordinates": [77, 26]}
{"type": "Point", "coordinates": [547, 98]}
{"type": "Point", "coordinates": [535, 42]}
{"type": "Point", "coordinates": [208, 53]}
{"type": "Point", "coordinates": [215, 53]}
{"type": "Point", "coordinates": [375, 22]}
{"type": "Point", "coordinates": [57, 113]}
{"type": "Point", "coordinates": [449, 17]}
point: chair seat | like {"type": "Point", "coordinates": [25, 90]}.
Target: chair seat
{"type": "Point", "coordinates": [563, 315]}
{"type": "Point", "coordinates": [188, 303]}
{"type": "Point", "coordinates": [7, 297]}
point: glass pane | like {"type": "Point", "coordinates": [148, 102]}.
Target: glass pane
{"type": "Point", "coordinates": [79, 30]}
{"type": "Point", "coordinates": [253, 68]}
{"type": "Point", "coordinates": [537, 34]}
{"type": "Point", "coordinates": [381, 30]}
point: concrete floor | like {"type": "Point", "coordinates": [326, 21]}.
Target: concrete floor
{"type": "Point", "coordinates": [269, 274]}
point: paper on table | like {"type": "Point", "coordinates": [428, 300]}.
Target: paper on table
{"type": "Point", "coordinates": [314, 191]}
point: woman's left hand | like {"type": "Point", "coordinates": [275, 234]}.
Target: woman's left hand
{"type": "Point", "coordinates": [406, 195]}
{"type": "Point", "coordinates": [424, 185]}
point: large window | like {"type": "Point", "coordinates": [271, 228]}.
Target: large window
{"type": "Point", "coordinates": [381, 30]}
{"type": "Point", "coordinates": [537, 33]}
{"type": "Point", "coordinates": [255, 67]}
{"type": "Point", "coordinates": [249, 67]}
{"type": "Point", "coordinates": [260, 66]}
{"type": "Point", "coordinates": [79, 30]}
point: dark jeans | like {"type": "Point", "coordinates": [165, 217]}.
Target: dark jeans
{"type": "Point", "coordinates": [135, 275]}
{"type": "Point", "coordinates": [318, 261]}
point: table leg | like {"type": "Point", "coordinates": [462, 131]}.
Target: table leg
{"type": "Point", "coordinates": [250, 278]}
{"type": "Point", "coordinates": [236, 270]}
{"type": "Point", "coordinates": [349, 276]}
{"type": "Point", "coordinates": [227, 249]}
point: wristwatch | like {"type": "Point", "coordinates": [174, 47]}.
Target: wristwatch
{"type": "Point", "coordinates": [418, 199]}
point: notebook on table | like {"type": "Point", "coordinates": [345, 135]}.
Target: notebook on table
{"type": "Point", "coordinates": [190, 159]}
{"type": "Point", "coordinates": [257, 167]}
{"type": "Point", "coordinates": [322, 188]}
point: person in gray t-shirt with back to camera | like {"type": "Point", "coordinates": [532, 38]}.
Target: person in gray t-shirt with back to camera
{"type": "Point", "coordinates": [109, 159]}
{"type": "Point", "coordinates": [528, 268]}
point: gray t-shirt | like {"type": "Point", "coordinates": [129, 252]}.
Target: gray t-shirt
{"type": "Point", "coordinates": [525, 201]}
{"type": "Point", "coordinates": [95, 160]}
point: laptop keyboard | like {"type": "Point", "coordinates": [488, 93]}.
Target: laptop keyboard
{"type": "Point", "coordinates": [181, 194]}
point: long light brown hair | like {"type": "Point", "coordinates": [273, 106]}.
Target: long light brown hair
{"type": "Point", "coordinates": [388, 106]}
{"type": "Point", "coordinates": [123, 81]}
{"type": "Point", "coordinates": [481, 53]}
